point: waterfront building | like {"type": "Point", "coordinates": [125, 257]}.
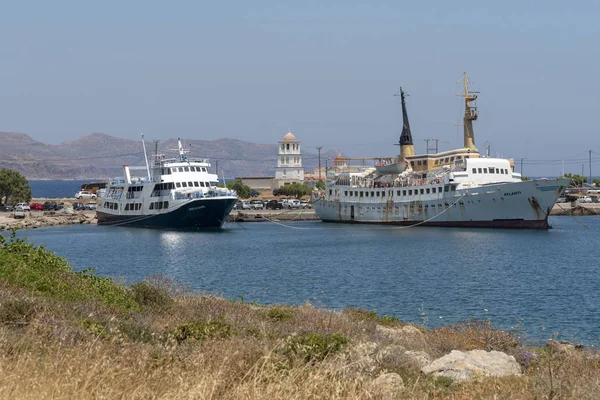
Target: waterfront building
{"type": "Point", "coordinates": [289, 162]}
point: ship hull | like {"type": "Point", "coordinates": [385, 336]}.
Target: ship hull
{"type": "Point", "coordinates": [517, 205]}
{"type": "Point", "coordinates": [208, 213]}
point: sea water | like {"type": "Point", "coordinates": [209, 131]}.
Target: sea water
{"type": "Point", "coordinates": [541, 283]}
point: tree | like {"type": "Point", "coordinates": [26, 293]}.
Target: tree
{"type": "Point", "coordinates": [295, 189]}
{"type": "Point", "coordinates": [242, 189]}
{"type": "Point", "coordinates": [596, 182]}
{"type": "Point", "coordinates": [320, 184]}
{"type": "Point", "coordinates": [14, 187]}
{"type": "Point", "coordinates": [576, 180]}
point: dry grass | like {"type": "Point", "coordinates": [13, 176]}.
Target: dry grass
{"type": "Point", "coordinates": [160, 342]}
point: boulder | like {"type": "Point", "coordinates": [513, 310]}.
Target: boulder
{"type": "Point", "coordinates": [563, 347]}
{"type": "Point", "coordinates": [398, 333]}
{"type": "Point", "coordinates": [390, 383]}
{"type": "Point", "coordinates": [460, 365]}
{"type": "Point", "coordinates": [419, 357]}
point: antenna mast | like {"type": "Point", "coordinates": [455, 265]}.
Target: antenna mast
{"type": "Point", "coordinates": [470, 113]}
{"type": "Point", "coordinates": [146, 157]}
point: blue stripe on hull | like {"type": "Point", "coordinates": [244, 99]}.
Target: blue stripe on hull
{"type": "Point", "coordinates": [197, 214]}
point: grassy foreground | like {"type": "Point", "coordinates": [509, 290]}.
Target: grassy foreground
{"type": "Point", "coordinates": [73, 335]}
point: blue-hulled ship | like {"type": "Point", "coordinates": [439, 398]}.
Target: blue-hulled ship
{"type": "Point", "coordinates": [177, 193]}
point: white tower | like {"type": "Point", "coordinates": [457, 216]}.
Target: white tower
{"type": "Point", "coordinates": [289, 161]}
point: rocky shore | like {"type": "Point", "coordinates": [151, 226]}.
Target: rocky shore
{"type": "Point", "coordinates": [39, 219]}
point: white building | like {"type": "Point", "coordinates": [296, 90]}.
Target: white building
{"type": "Point", "coordinates": [289, 162]}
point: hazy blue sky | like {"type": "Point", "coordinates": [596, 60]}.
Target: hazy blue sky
{"type": "Point", "coordinates": [327, 70]}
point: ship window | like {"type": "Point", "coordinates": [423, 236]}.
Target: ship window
{"type": "Point", "coordinates": [207, 184]}
{"type": "Point", "coordinates": [412, 164]}
{"type": "Point", "coordinates": [152, 206]}
{"type": "Point", "coordinates": [204, 169]}
{"type": "Point", "coordinates": [202, 184]}
{"type": "Point", "coordinates": [404, 193]}
{"type": "Point", "coordinates": [427, 191]}
{"type": "Point", "coordinates": [419, 162]}
{"type": "Point", "coordinates": [196, 184]}
{"type": "Point", "coordinates": [474, 170]}
{"type": "Point", "coordinates": [479, 170]}
{"type": "Point", "coordinates": [126, 207]}
{"type": "Point", "coordinates": [410, 192]}
{"type": "Point", "coordinates": [398, 193]}
{"type": "Point", "coordinates": [183, 184]}
{"type": "Point", "coordinates": [446, 159]}
{"type": "Point", "coordinates": [361, 194]}
{"type": "Point", "coordinates": [345, 193]}
{"type": "Point", "coordinates": [372, 194]}
{"type": "Point", "coordinates": [178, 184]}
{"type": "Point", "coordinates": [165, 204]}
{"type": "Point", "coordinates": [505, 171]}
{"type": "Point", "coordinates": [421, 191]}
{"type": "Point", "coordinates": [492, 170]}
{"type": "Point", "coordinates": [366, 194]}
{"type": "Point", "coordinates": [436, 162]}
{"type": "Point", "coordinates": [191, 184]}
{"type": "Point", "coordinates": [451, 158]}
{"type": "Point", "coordinates": [446, 188]}
{"type": "Point", "coordinates": [377, 194]}
{"type": "Point", "coordinates": [485, 171]}
{"type": "Point", "coordinates": [433, 190]}
{"type": "Point", "coordinates": [330, 192]}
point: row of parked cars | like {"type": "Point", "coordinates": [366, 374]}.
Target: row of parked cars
{"type": "Point", "coordinates": [47, 206]}
{"type": "Point", "coordinates": [271, 204]}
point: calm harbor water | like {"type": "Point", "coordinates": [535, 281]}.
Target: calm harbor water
{"type": "Point", "coordinates": [544, 281]}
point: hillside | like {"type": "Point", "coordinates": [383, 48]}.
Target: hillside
{"type": "Point", "coordinates": [98, 155]}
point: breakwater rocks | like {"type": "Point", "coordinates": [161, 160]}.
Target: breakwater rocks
{"type": "Point", "coordinates": [273, 215]}
{"type": "Point", "coordinates": [577, 209]}
{"type": "Point", "coordinates": [39, 220]}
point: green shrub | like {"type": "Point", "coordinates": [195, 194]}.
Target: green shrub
{"type": "Point", "coordinates": [361, 314]}
{"type": "Point", "coordinates": [280, 313]}
{"type": "Point", "coordinates": [199, 330]}
{"type": "Point", "coordinates": [42, 272]}
{"type": "Point", "coordinates": [151, 296]}
{"type": "Point", "coordinates": [310, 346]}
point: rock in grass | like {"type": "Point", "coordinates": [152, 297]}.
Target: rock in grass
{"type": "Point", "coordinates": [391, 383]}
{"type": "Point", "coordinates": [460, 365]}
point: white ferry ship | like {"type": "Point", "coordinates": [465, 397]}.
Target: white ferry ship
{"type": "Point", "coordinates": [176, 193]}
{"type": "Point", "coordinates": [455, 188]}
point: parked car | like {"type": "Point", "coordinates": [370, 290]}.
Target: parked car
{"type": "Point", "coordinates": [585, 199]}
{"type": "Point", "coordinates": [24, 206]}
{"type": "Point", "coordinates": [83, 194]}
{"type": "Point", "coordinates": [6, 207]}
{"type": "Point", "coordinates": [50, 206]}
{"type": "Point", "coordinates": [242, 205]}
{"type": "Point", "coordinates": [292, 203]}
{"type": "Point", "coordinates": [274, 205]}
{"type": "Point", "coordinates": [91, 206]}
{"type": "Point", "coordinates": [305, 204]}
{"type": "Point", "coordinates": [78, 206]}
{"type": "Point", "coordinates": [36, 206]}
{"type": "Point", "coordinates": [19, 211]}
{"type": "Point", "coordinates": [257, 205]}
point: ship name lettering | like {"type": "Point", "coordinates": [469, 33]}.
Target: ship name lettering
{"type": "Point", "coordinates": [512, 194]}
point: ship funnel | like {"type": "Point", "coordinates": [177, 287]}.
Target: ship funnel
{"type": "Point", "coordinates": [407, 147]}
{"type": "Point", "coordinates": [471, 114]}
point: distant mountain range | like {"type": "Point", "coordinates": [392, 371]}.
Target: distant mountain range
{"type": "Point", "coordinates": [101, 156]}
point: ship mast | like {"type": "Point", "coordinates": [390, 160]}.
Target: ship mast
{"type": "Point", "coordinates": [407, 147]}
{"type": "Point", "coordinates": [470, 114]}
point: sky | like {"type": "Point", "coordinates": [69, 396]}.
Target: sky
{"type": "Point", "coordinates": [326, 70]}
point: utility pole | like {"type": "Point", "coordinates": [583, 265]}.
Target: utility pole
{"type": "Point", "coordinates": [319, 150]}
{"type": "Point", "coordinates": [217, 169]}
{"type": "Point", "coordinates": [590, 181]}
{"type": "Point", "coordinates": [563, 167]}
{"type": "Point", "coordinates": [432, 148]}
{"type": "Point", "coordinates": [582, 176]}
